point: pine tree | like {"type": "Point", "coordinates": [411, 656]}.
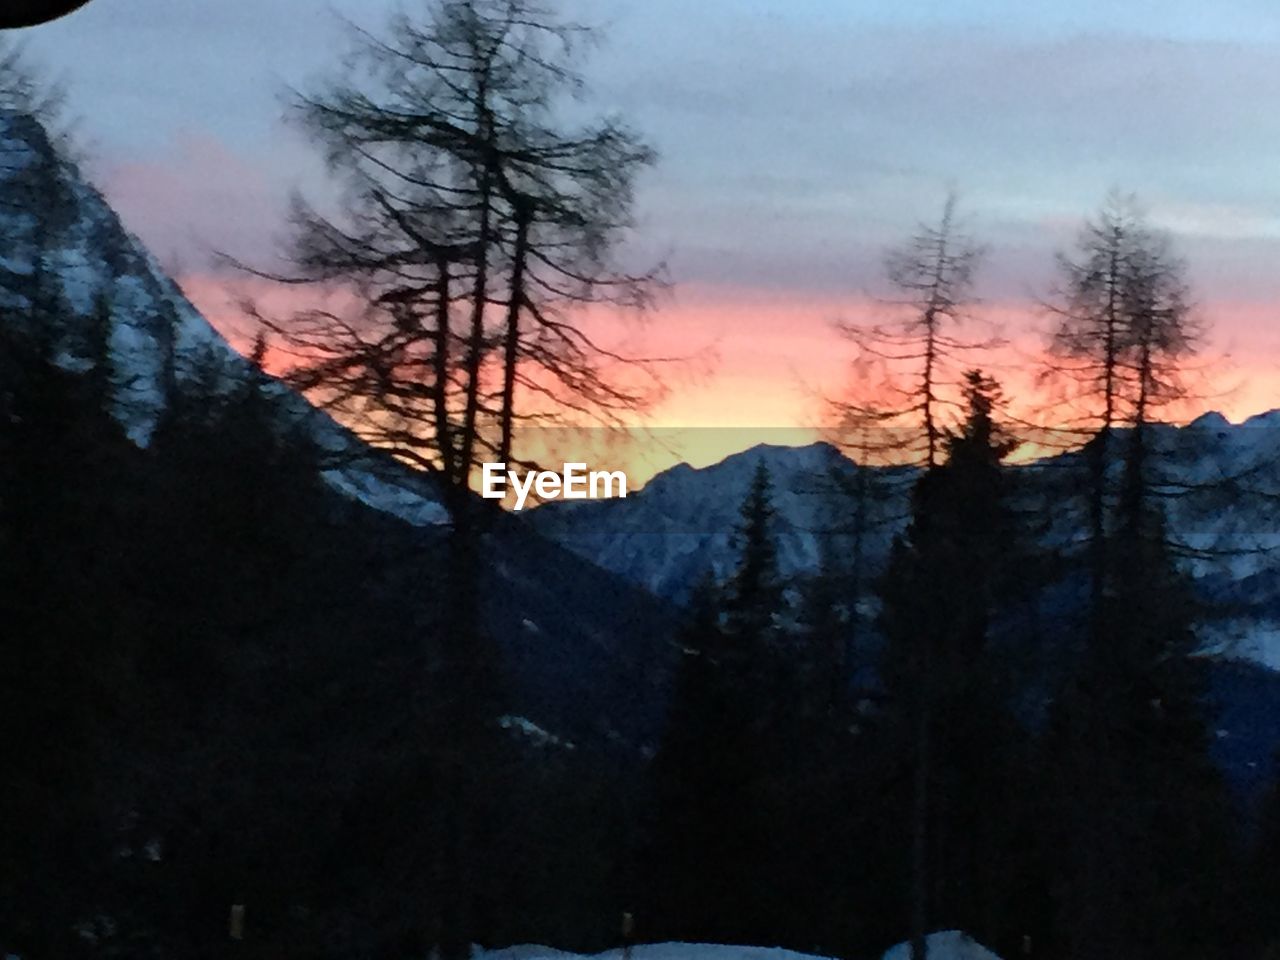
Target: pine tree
{"type": "Point", "coordinates": [946, 706]}
{"type": "Point", "coordinates": [753, 594]}
{"type": "Point", "coordinates": [1262, 887]}
{"type": "Point", "coordinates": [1143, 822]}
{"type": "Point", "coordinates": [1139, 811]}
{"type": "Point", "coordinates": [716, 833]}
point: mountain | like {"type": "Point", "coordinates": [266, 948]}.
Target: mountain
{"type": "Point", "coordinates": [943, 945]}
{"type": "Point", "coordinates": [225, 620]}
{"type": "Point", "coordinates": [1219, 482]}
{"type": "Point", "coordinates": [681, 524]}
{"type": "Point", "coordinates": [63, 238]}
{"type": "Point", "coordinates": [588, 665]}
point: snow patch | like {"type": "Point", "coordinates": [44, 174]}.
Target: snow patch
{"type": "Point", "coordinates": [527, 728]}
{"type": "Point", "coordinates": [652, 951]}
{"type": "Point", "coordinates": [387, 497]}
{"type": "Point", "coordinates": [945, 945]}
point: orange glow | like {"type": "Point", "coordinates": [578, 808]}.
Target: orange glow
{"type": "Point", "coordinates": [748, 367]}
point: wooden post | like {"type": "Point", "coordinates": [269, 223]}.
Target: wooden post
{"type": "Point", "coordinates": [235, 923]}
{"type": "Point", "coordinates": [628, 930]}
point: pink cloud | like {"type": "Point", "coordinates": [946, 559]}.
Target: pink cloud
{"type": "Point", "coordinates": [196, 197]}
{"type": "Point", "coordinates": [777, 356]}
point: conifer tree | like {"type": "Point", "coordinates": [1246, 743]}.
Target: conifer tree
{"type": "Point", "coordinates": [1143, 823]}
{"type": "Point", "coordinates": [753, 593]}
{"type": "Point", "coordinates": [716, 772]}
{"type": "Point", "coordinates": [1128, 740]}
{"type": "Point", "coordinates": [62, 653]}
{"type": "Point", "coordinates": [1123, 326]}
{"type": "Point", "coordinates": [947, 709]}
{"type": "Point", "coordinates": [696, 785]}
{"type": "Point", "coordinates": [477, 218]}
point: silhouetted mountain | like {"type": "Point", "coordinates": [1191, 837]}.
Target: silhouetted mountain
{"type": "Point", "coordinates": [578, 664]}
{"type": "Point", "coordinates": [1217, 482]}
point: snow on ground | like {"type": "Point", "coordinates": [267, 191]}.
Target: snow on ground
{"type": "Point", "coordinates": [946, 945]}
{"type": "Point", "coordinates": [653, 951]}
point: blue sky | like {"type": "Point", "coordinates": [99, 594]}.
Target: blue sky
{"type": "Point", "coordinates": [798, 137]}
{"type": "Point", "coordinates": [790, 123]}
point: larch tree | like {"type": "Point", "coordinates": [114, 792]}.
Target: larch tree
{"type": "Point", "coordinates": [478, 221]}
{"type": "Point", "coordinates": [1122, 329]}
{"type": "Point", "coordinates": [921, 350]}
{"type": "Point", "coordinates": [946, 575]}
{"type": "Point", "coordinates": [907, 381]}
{"type": "Point", "coordinates": [1127, 745]}
{"type": "Point", "coordinates": [904, 420]}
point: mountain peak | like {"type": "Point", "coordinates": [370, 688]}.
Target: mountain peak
{"type": "Point", "coordinates": [1212, 420]}
{"type": "Point", "coordinates": [65, 246]}
{"type": "Point", "coordinates": [1269, 419]}
{"type": "Point", "coordinates": [818, 455]}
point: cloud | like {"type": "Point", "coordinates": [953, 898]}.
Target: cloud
{"type": "Point", "coordinates": [798, 138]}
{"type": "Point", "coordinates": [792, 150]}
{"type": "Point", "coordinates": [195, 197]}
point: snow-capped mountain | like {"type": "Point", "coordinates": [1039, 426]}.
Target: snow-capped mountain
{"type": "Point", "coordinates": [63, 238]}
{"type": "Point", "coordinates": [943, 945]}
{"type": "Point", "coordinates": [1220, 483]}
{"type": "Point", "coordinates": [586, 649]}
{"type": "Point", "coordinates": [681, 525]}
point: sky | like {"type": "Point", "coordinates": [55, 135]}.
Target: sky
{"type": "Point", "coordinates": [798, 138]}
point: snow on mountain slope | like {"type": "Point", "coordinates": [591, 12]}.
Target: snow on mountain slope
{"type": "Point", "coordinates": [652, 951]}
{"type": "Point", "coordinates": [682, 523]}
{"type": "Point", "coordinates": [587, 652]}
{"type": "Point", "coordinates": [63, 242]}
{"type": "Point", "coordinates": [1219, 482]}
{"type": "Point", "coordinates": [946, 945]}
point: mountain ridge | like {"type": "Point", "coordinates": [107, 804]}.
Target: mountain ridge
{"type": "Point", "coordinates": [67, 245]}
{"type": "Point", "coordinates": [1219, 480]}
{"type": "Point", "coordinates": [63, 235]}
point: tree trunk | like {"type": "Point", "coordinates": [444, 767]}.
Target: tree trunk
{"type": "Point", "coordinates": [512, 353]}
{"type": "Point", "coordinates": [920, 835]}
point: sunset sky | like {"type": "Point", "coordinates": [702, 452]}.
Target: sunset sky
{"type": "Point", "coordinates": [797, 138]}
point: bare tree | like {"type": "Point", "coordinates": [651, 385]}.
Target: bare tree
{"type": "Point", "coordinates": [903, 421]}
{"type": "Point", "coordinates": [1163, 333]}
{"type": "Point", "coordinates": [1124, 333]}
{"type": "Point", "coordinates": [476, 225]}
{"type": "Point", "coordinates": [27, 90]}
{"type": "Point", "coordinates": [467, 190]}
{"type": "Point", "coordinates": [933, 274]}
{"type": "Point", "coordinates": [1123, 327]}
